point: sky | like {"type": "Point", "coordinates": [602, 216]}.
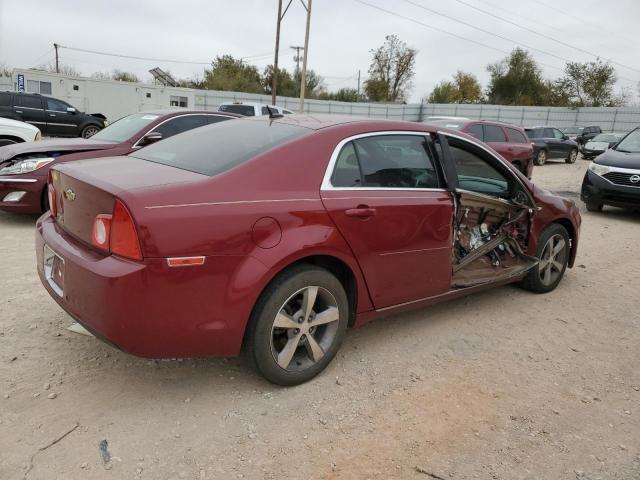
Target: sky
{"type": "Point", "coordinates": [343, 33]}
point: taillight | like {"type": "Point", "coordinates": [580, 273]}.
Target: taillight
{"type": "Point", "coordinates": [123, 237]}
{"type": "Point", "coordinates": [101, 228]}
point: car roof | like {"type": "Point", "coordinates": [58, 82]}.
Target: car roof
{"type": "Point", "coordinates": [320, 121]}
{"type": "Point", "coordinates": [168, 112]}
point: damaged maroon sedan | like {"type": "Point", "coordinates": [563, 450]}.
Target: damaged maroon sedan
{"type": "Point", "coordinates": [276, 235]}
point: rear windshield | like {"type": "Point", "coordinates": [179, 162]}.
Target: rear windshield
{"type": "Point", "coordinates": [125, 128]}
{"type": "Point", "coordinates": [246, 110]}
{"type": "Point", "coordinates": [217, 148]}
{"type": "Point", "coordinates": [456, 124]}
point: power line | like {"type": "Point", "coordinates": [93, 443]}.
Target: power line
{"type": "Point", "coordinates": [446, 32]}
{"type": "Point", "coordinates": [561, 42]}
{"type": "Point", "coordinates": [133, 57]}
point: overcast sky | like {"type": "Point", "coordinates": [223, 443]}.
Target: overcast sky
{"type": "Point", "coordinates": [342, 34]}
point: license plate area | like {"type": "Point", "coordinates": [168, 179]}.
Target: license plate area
{"type": "Point", "coordinates": [54, 270]}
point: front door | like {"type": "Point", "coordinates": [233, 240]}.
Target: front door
{"type": "Point", "coordinates": [60, 122]}
{"type": "Point", "coordinates": [384, 193]}
{"type": "Point", "coordinates": [491, 220]}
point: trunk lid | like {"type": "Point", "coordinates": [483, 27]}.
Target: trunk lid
{"type": "Point", "coordinates": [87, 188]}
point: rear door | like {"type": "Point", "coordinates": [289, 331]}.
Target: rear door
{"type": "Point", "coordinates": [554, 146]}
{"type": "Point", "coordinates": [59, 121]}
{"type": "Point", "coordinates": [384, 192]}
{"type": "Point", "coordinates": [30, 109]}
{"type": "Point", "coordinates": [496, 138]}
{"type": "Point", "coordinates": [6, 105]}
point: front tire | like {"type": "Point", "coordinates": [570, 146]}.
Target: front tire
{"type": "Point", "coordinates": [594, 206]}
{"type": "Point", "coordinates": [541, 158]}
{"type": "Point", "coordinates": [297, 325]}
{"type": "Point", "coordinates": [89, 131]}
{"type": "Point", "coordinates": [573, 155]}
{"type": "Point", "coordinates": [553, 255]}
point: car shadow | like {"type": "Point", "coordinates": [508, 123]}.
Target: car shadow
{"type": "Point", "coordinates": [18, 219]}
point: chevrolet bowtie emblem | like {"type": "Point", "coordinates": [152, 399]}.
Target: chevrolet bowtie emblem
{"type": "Point", "coordinates": [69, 195]}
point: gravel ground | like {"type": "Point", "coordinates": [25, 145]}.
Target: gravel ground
{"type": "Point", "coordinates": [504, 385]}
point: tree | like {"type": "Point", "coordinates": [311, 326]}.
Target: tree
{"type": "Point", "coordinates": [63, 69]}
{"type": "Point", "coordinates": [5, 70]}
{"type": "Point", "coordinates": [314, 84]}
{"type": "Point", "coordinates": [465, 88]}
{"type": "Point", "coordinates": [232, 74]}
{"type": "Point", "coordinates": [101, 75]}
{"type": "Point", "coordinates": [516, 80]}
{"type": "Point", "coordinates": [287, 86]}
{"type": "Point", "coordinates": [590, 84]}
{"type": "Point", "coordinates": [444, 92]}
{"type": "Point", "coordinates": [342, 95]}
{"type": "Point", "coordinates": [391, 71]}
{"type": "Point", "coordinates": [122, 76]}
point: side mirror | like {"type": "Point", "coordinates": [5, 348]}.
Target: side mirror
{"type": "Point", "coordinates": [149, 138]}
{"type": "Point", "coordinates": [71, 110]}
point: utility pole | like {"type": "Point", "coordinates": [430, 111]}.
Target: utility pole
{"type": "Point", "coordinates": [303, 77]}
{"type": "Point", "coordinates": [274, 83]}
{"type": "Point", "coordinates": [358, 95]}
{"type": "Point", "coordinates": [297, 60]}
{"type": "Point", "coordinates": [55, 45]}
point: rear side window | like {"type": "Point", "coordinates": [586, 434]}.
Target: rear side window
{"type": "Point", "coordinates": [217, 118]}
{"type": "Point", "coordinates": [476, 131]}
{"type": "Point", "coordinates": [534, 132]}
{"type": "Point", "coordinates": [246, 110]}
{"type": "Point", "coordinates": [217, 148]}
{"type": "Point", "coordinates": [180, 124]}
{"type": "Point", "coordinates": [29, 101]}
{"type": "Point", "coordinates": [5, 99]}
{"type": "Point", "coordinates": [387, 161]}
{"type": "Point", "coordinates": [493, 133]}
{"type": "Point", "coordinates": [516, 136]}
{"type": "Point", "coordinates": [347, 170]}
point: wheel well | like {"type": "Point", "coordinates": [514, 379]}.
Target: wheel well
{"type": "Point", "coordinates": [566, 223]}
{"type": "Point", "coordinates": [341, 271]}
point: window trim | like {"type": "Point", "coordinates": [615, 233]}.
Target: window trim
{"type": "Point", "coordinates": [327, 186]}
{"type": "Point", "coordinates": [135, 145]}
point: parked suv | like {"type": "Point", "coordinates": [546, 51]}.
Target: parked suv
{"type": "Point", "coordinates": [54, 118]}
{"type": "Point", "coordinates": [508, 140]}
{"type": "Point", "coordinates": [251, 109]}
{"type": "Point", "coordinates": [587, 134]}
{"type": "Point", "coordinates": [550, 142]}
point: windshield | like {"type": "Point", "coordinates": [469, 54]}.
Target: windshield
{"type": "Point", "coordinates": [630, 143]}
{"type": "Point", "coordinates": [125, 128]}
{"type": "Point", "coordinates": [605, 137]}
{"type": "Point", "coordinates": [216, 148]}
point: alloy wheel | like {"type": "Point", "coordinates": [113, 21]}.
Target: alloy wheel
{"type": "Point", "coordinates": [541, 158]}
{"type": "Point", "coordinates": [304, 328]}
{"type": "Point", "coordinates": [89, 132]}
{"type": "Point", "coordinates": [553, 259]}
{"type": "Point", "coordinates": [573, 156]}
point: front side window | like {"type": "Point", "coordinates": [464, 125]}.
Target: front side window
{"type": "Point", "coordinates": [5, 99]}
{"type": "Point", "coordinates": [180, 124]}
{"type": "Point", "coordinates": [558, 134]}
{"type": "Point", "coordinates": [475, 173]}
{"type": "Point", "coordinates": [493, 133]}
{"type": "Point", "coordinates": [548, 133]}
{"type": "Point", "coordinates": [386, 161]}
{"type": "Point", "coordinates": [56, 105]}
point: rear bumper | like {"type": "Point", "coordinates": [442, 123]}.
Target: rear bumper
{"type": "Point", "coordinates": [147, 308]}
{"type": "Point", "coordinates": [596, 189]}
{"type": "Point", "coordinates": [33, 187]}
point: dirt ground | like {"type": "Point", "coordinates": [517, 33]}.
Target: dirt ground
{"type": "Point", "coordinates": [501, 385]}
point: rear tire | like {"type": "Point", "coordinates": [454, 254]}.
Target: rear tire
{"type": "Point", "coordinates": [573, 156]}
{"type": "Point", "coordinates": [297, 325]}
{"type": "Point", "coordinates": [541, 158]}
{"type": "Point", "coordinates": [553, 254]}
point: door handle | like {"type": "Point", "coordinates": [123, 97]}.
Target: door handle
{"type": "Point", "coordinates": [18, 111]}
{"type": "Point", "coordinates": [361, 211]}
{"type": "Point", "coordinates": [52, 114]}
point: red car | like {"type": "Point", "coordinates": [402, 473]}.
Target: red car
{"type": "Point", "coordinates": [508, 140]}
{"type": "Point", "coordinates": [24, 167]}
{"type": "Point", "coordinates": [279, 234]}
